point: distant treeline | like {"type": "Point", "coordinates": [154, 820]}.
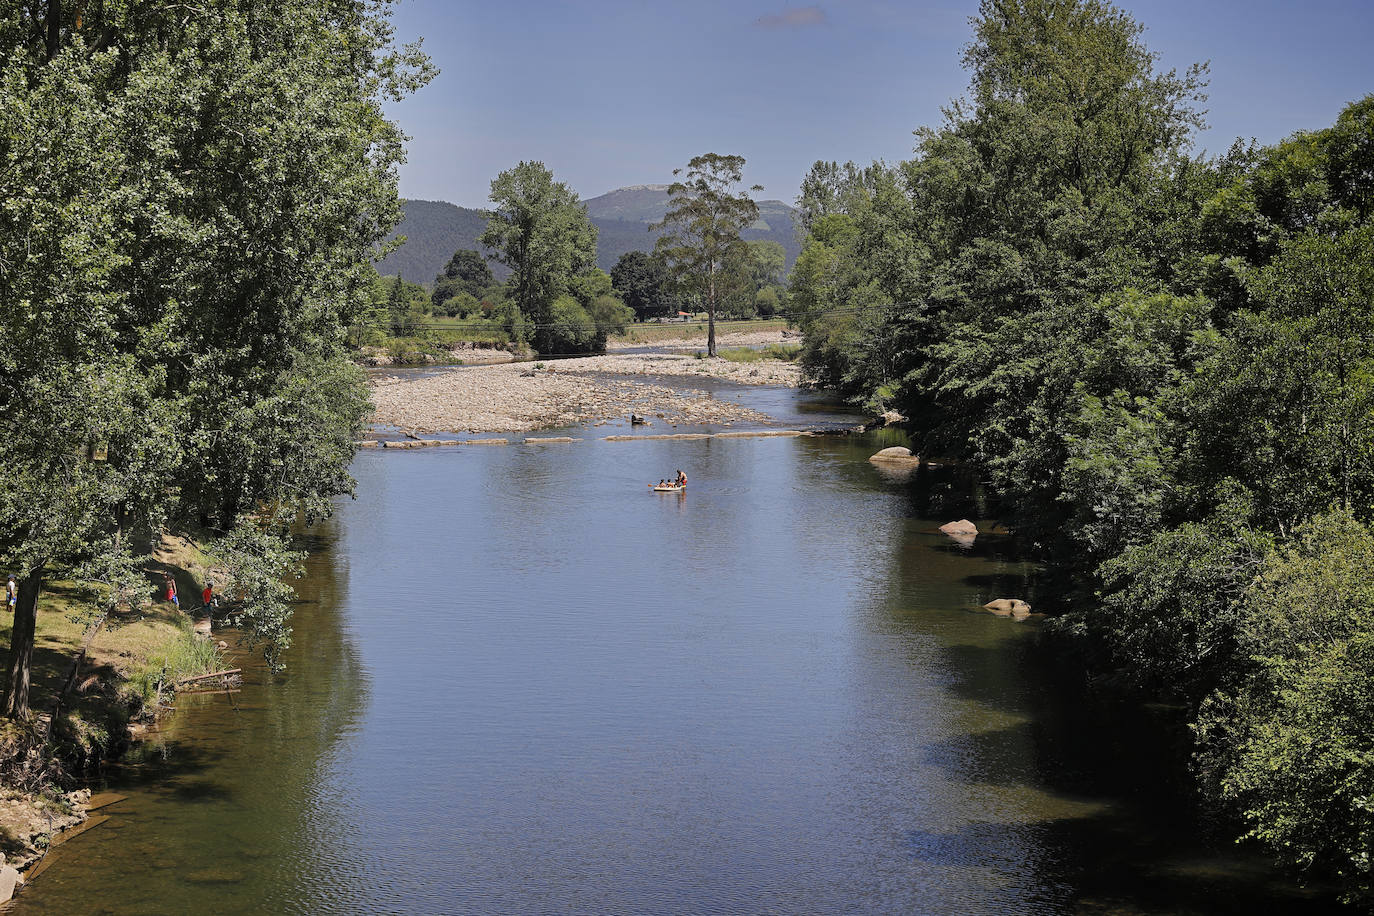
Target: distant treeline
{"type": "Point", "coordinates": [434, 230]}
{"type": "Point", "coordinates": [1164, 364]}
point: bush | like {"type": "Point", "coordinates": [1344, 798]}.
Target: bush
{"type": "Point", "coordinates": [572, 329]}
{"type": "Point", "coordinates": [1292, 745]}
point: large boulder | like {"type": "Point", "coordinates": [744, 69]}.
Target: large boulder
{"type": "Point", "coordinates": [897, 454]}
{"type": "Point", "coordinates": [1009, 607]}
{"type": "Point", "coordinates": [961, 528]}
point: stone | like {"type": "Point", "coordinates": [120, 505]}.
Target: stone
{"type": "Point", "coordinates": [1009, 607]}
{"type": "Point", "coordinates": [10, 879]}
{"type": "Point", "coordinates": [897, 454]}
{"type": "Point", "coordinates": [961, 528]}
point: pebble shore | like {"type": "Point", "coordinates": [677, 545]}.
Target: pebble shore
{"type": "Point", "coordinates": [568, 392]}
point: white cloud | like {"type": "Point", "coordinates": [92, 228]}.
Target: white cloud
{"type": "Point", "coordinates": [794, 18]}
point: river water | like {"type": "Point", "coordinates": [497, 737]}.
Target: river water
{"type": "Point", "coordinates": [522, 683]}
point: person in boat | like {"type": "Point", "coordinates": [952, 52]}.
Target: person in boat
{"type": "Point", "coordinates": [662, 482]}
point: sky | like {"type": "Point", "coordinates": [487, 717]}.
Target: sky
{"type": "Point", "coordinates": [609, 93]}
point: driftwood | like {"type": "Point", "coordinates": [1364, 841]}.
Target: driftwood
{"type": "Point", "coordinates": [206, 677]}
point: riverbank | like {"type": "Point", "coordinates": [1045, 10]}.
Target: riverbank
{"type": "Point", "coordinates": [569, 392]}
{"type": "Point", "coordinates": [86, 712]}
{"type": "Point", "coordinates": [685, 337]}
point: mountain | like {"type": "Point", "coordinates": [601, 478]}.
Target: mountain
{"type": "Point", "coordinates": [435, 229]}
{"type": "Point", "coordinates": [623, 217]}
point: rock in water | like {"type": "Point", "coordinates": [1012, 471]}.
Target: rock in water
{"type": "Point", "coordinates": [896, 454]}
{"type": "Point", "coordinates": [961, 528]}
{"type": "Point", "coordinates": [1009, 607]}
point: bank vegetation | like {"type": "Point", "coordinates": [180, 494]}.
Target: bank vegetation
{"type": "Point", "coordinates": [190, 199]}
{"type": "Point", "coordinates": [1163, 362]}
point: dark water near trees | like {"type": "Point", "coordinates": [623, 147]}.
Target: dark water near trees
{"type": "Point", "coordinates": [523, 684]}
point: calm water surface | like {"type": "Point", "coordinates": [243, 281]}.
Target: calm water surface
{"type": "Point", "coordinates": [522, 683]}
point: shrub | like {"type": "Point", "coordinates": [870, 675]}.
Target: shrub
{"type": "Point", "coordinates": [1291, 746]}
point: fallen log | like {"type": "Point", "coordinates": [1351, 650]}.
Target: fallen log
{"type": "Point", "coordinates": [206, 677]}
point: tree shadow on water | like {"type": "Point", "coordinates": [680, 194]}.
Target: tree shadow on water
{"type": "Point", "coordinates": [1103, 863]}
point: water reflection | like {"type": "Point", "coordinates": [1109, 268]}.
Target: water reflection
{"type": "Point", "coordinates": [522, 683]}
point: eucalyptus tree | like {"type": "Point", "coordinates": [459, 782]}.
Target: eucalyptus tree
{"type": "Point", "coordinates": [702, 226]}
{"type": "Point", "coordinates": [191, 199]}
{"type": "Point", "coordinates": [539, 228]}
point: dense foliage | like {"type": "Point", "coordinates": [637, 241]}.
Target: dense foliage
{"type": "Point", "coordinates": [1165, 366]}
{"type": "Point", "coordinates": [540, 230]}
{"type": "Point", "coordinates": [189, 200]}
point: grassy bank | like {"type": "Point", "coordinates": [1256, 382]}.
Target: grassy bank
{"type": "Point", "coordinates": [785, 352]}
{"type": "Point", "coordinates": [132, 665]}
{"type": "Point", "coordinates": [652, 333]}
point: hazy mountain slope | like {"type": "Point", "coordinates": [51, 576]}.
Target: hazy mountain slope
{"type": "Point", "coordinates": [616, 211]}
{"type": "Point", "coordinates": [434, 230]}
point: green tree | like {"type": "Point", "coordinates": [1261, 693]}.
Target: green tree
{"type": "Point", "coordinates": [465, 272]}
{"type": "Point", "coordinates": [1291, 743]}
{"type": "Point", "coordinates": [643, 283]}
{"type": "Point", "coordinates": [183, 263]}
{"type": "Point", "coordinates": [540, 230]}
{"type": "Point", "coordinates": [702, 226]}
{"type": "Point", "coordinates": [571, 328]}
{"type": "Point", "coordinates": [590, 284]}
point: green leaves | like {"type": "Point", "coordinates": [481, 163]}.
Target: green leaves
{"type": "Point", "coordinates": [702, 226]}
{"type": "Point", "coordinates": [189, 201]}
{"type": "Point", "coordinates": [256, 562]}
{"type": "Point", "coordinates": [1290, 742]}
{"type": "Point", "coordinates": [540, 229]}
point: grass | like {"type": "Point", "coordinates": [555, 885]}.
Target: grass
{"type": "Point", "coordinates": [782, 351]}
{"type": "Point", "coordinates": [131, 646]}
{"type": "Point", "coordinates": [653, 333]}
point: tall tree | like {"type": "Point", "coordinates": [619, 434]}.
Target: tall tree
{"type": "Point", "coordinates": [540, 230]}
{"type": "Point", "coordinates": [702, 227]}
{"type": "Point", "coordinates": [178, 268]}
{"type": "Point", "coordinates": [643, 282]}
{"type": "Point", "coordinates": [465, 272]}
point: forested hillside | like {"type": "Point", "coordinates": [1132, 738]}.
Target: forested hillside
{"type": "Point", "coordinates": [435, 229]}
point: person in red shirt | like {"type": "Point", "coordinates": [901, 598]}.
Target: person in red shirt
{"type": "Point", "coordinates": [207, 597]}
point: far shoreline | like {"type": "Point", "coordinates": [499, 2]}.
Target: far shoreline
{"type": "Point", "coordinates": [523, 397]}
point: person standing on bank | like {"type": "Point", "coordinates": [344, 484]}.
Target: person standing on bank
{"type": "Point", "coordinates": [172, 592]}
{"type": "Point", "coordinates": [11, 593]}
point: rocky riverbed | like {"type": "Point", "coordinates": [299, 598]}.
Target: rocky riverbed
{"type": "Point", "coordinates": [512, 398]}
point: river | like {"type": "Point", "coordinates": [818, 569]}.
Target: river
{"type": "Point", "coordinates": [522, 683]}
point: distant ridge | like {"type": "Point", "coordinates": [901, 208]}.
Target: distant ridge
{"type": "Point", "coordinates": [434, 229]}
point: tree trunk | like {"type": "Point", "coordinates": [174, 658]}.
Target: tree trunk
{"type": "Point", "coordinates": [21, 645]}
{"type": "Point", "coordinates": [711, 315]}
{"type": "Point", "coordinates": [54, 27]}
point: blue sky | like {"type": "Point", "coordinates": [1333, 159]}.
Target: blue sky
{"type": "Point", "coordinates": [610, 93]}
